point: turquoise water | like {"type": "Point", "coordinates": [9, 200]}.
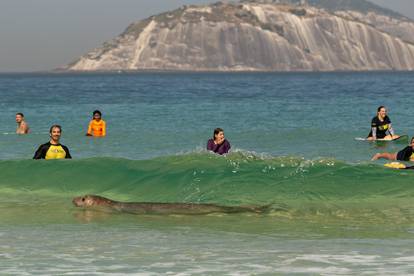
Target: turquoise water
{"type": "Point", "coordinates": [333, 211]}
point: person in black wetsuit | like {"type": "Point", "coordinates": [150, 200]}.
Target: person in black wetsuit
{"type": "Point", "coordinates": [381, 125]}
{"type": "Point", "coordinates": [406, 154]}
{"type": "Point", "coordinates": [53, 149]}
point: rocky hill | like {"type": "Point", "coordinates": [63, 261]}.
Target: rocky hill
{"type": "Point", "coordinates": [362, 6]}
{"type": "Point", "coordinates": [262, 35]}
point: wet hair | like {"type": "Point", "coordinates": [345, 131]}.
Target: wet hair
{"type": "Point", "coordinates": [379, 108]}
{"type": "Point", "coordinates": [55, 126]}
{"type": "Point", "coordinates": [19, 113]}
{"type": "Point", "coordinates": [217, 131]}
{"type": "Point", "coordinates": [97, 112]}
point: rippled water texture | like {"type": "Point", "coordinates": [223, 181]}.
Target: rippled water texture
{"type": "Point", "coordinates": [332, 210]}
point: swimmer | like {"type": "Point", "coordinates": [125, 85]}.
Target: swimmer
{"type": "Point", "coordinates": [380, 125]}
{"type": "Point", "coordinates": [218, 144]}
{"type": "Point", "coordinates": [53, 149]}
{"type": "Point", "coordinates": [22, 126]}
{"type": "Point", "coordinates": [97, 126]}
{"type": "Point", "coordinates": [157, 208]}
{"type": "Point", "coordinates": [407, 154]}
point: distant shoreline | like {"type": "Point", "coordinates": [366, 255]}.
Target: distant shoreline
{"type": "Point", "coordinates": [218, 72]}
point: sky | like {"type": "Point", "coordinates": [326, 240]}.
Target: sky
{"type": "Point", "coordinates": [38, 35]}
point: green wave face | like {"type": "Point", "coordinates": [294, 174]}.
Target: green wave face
{"type": "Point", "coordinates": [297, 189]}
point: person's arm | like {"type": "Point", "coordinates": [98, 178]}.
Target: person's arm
{"type": "Point", "coordinates": [374, 128]}
{"type": "Point", "coordinates": [89, 133]}
{"type": "Point", "coordinates": [25, 127]}
{"type": "Point", "coordinates": [374, 133]}
{"type": "Point", "coordinates": [103, 128]}
{"type": "Point", "coordinates": [391, 130]}
{"type": "Point", "coordinates": [227, 146]}
{"type": "Point", "coordinates": [68, 156]}
{"type": "Point", "coordinates": [209, 146]}
{"type": "Point", "coordinates": [40, 153]}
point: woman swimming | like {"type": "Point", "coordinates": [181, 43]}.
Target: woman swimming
{"type": "Point", "coordinates": [380, 125]}
{"type": "Point", "coordinates": [406, 154]}
{"type": "Point", "coordinates": [218, 144]}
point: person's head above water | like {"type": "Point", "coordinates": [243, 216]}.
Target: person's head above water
{"type": "Point", "coordinates": [55, 132]}
{"type": "Point", "coordinates": [19, 117]}
{"type": "Point", "coordinates": [218, 135]}
{"type": "Point", "coordinates": [382, 112]}
{"type": "Point", "coordinates": [22, 126]}
{"type": "Point", "coordinates": [97, 115]}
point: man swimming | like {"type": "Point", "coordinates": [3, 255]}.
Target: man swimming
{"type": "Point", "coordinates": [53, 149]}
{"type": "Point", "coordinates": [22, 126]}
{"type": "Point", "coordinates": [406, 154]}
{"type": "Point", "coordinates": [97, 126]}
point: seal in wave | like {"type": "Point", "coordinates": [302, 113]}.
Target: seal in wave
{"type": "Point", "coordinates": [99, 202]}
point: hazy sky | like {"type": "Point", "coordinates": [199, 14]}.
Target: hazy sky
{"type": "Point", "coordinates": [45, 34]}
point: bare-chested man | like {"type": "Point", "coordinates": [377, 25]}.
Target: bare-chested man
{"type": "Point", "coordinates": [22, 126]}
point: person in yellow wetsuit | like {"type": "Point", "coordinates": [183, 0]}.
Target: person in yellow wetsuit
{"type": "Point", "coordinates": [97, 126]}
{"type": "Point", "coordinates": [53, 149]}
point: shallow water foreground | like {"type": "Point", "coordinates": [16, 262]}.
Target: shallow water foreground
{"type": "Point", "coordinates": [215, 245]}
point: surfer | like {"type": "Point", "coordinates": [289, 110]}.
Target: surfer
{"type": "Point", "coordinates": [406, 154]}
{"type": "Point", "coordinates": [218, 144]}
{"type": "Point", "coordinates": [97, 126]}
{"type": "Point", "coordinates": [98, 202]}
{"type": "Point", "coordinates": [53, 149]}
{"type": "Point", "coordinates": [380, 125]}
{"type": "Point", "coordinates": [22, 126]}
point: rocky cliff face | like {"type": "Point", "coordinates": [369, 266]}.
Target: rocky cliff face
{"type": "Point", "coordinates": [402, 28]}
{"type": "Point", "coordinates": [260, 35]}
{"type": "Point", "coordinates": [361, 6]}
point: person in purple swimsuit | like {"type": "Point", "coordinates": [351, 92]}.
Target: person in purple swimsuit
{"type": "Point", "coordinates": [218, 144]}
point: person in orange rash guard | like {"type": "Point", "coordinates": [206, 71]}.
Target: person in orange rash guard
{"type": "Point", "coordinates": [97, 126]}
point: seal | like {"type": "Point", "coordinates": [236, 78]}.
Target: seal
{"type": "Point", "coordinates": [99, 202]}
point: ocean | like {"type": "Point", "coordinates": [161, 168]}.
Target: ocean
{"type": "Point", "coordinates": [294, 147]}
